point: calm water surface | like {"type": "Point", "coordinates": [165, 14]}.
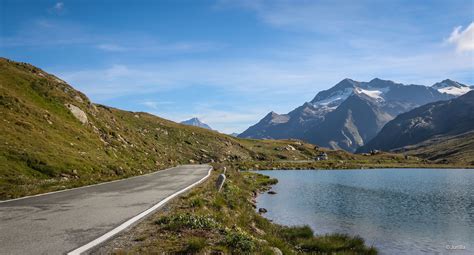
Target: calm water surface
{"type": "Point", "coordinates": [400, 211]}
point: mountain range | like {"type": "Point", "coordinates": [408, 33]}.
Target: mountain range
{"type": "Point", "coordinates": [351, 113]}
{"type": "Point", "coordinates": [428, 125]}
{"type": "Point", "coordinates": [196, 122]}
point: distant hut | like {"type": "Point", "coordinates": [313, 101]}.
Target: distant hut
{"type": "Point", "coordinates": [322, 156]}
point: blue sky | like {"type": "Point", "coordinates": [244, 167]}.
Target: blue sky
{"type": "Point", "coordinates": [231, 62]}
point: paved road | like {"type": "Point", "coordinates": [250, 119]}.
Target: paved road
{"type": "Point", "coordinates": [57, 223]}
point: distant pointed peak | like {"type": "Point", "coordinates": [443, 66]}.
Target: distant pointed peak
{"type": "Point", "coordinates": [380, 80]}
{"type": "Point", "coordinates": [274, 117]}
{"type": "Point", "coordinates": [448, 83]}
{"type": "Point", "coordinates": [347, 81]}
{"type": "Point", "coordinates": [196, 122]}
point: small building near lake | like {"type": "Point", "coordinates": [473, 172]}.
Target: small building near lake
{"type": "Point", "coordinates": [322, 156]}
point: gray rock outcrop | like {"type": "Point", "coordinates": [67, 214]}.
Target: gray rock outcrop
{"type": "Point", "coordinates": [78, 113]}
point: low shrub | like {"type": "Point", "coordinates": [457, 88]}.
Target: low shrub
{"type": "Point", "coordinates": [181, 221]}
{"type": "Point", "coordinates": [239, 240]}
{"type": "Point", "coordinates": [195, 245]}
{"type": "Point", "coordinates": [197, 202]}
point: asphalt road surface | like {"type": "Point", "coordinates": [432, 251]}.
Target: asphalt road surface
{"type": "Point", "coordinates": [57, 223]}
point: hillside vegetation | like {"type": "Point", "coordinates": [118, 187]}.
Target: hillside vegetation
{"type": "Point", "coordinates": [445, 149]}
{"type": "Point", "coordinates": [206, 221]}
{"type": "Point", "coordinates": [54, 137]}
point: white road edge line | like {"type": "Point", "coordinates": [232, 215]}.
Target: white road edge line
{"type": "Point", "coordinates": [87, 186]}
{"type": "Point", "coordinates": [131, 221]}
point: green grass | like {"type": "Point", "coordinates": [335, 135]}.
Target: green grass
{"type": "Point", "coordinates": [195, 245]}
{"type": "Point", "coordinates": [227, 222]}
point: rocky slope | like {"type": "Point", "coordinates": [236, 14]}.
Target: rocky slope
{"type": "Point", "coordinates": [196, 122]}
{"type": "Point", "coordinates": [347, 115]}
{"type": "Point", "coordinates": [430, 124]}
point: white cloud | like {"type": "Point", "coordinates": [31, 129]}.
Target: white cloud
{"type": "Point", "coordinates": [463, 39]}
{"type": "Point", "coordinates": [58, 6]}
{"type": "Point", "coordinates": [301, 72]}
{"type": "Point", "coordinates": [111, 47]}
{"type": "Point", "coordinates": [155, 105]}
{"type": "Point", "coordinates": [149, 46]}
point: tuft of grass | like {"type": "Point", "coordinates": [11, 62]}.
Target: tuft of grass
{"type": "Point", "coordinates": [336, 243]}
{"type": "Point", "coordinates": [293, 234]}
{"type": "Point", "coordinates": [240, 241]}
{"type": "Point", "coordinates": [181, 221]}
{"type": "Point", "coordinates": [195, 245]}
{"type": "Point", "coordinates": [197, 202]}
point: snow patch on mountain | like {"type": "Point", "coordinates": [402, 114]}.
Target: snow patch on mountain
{"type": "Point", "coordinates": [455, 91]}
{"type": "Point", "coordinates": [452, 87]}
{"type": "Point", "coordinates": [335, 98]}
{"type": "Point", "coordinates": [376, 94]}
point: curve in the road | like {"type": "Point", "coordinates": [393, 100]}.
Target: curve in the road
{"type": "Point", "coordinates": [78, 219]}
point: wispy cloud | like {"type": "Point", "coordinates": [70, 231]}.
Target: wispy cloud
{"type": "Point", "coordinates": [51, 32]}
{"type": "Point", "coordinates": [328, 18]}
{"type": "Point", "coordinates": [268, 77]}
{"type": "Point", "coordinates": [57, 8]}
{"type": "Point", "coordinates": [111, 47]}
{"type": "Point", "coordinates": [150, 46]}
{"type": "Point", "coordinates": [156, 105]}
{"type": "Point", "coordinates": [463, 39]}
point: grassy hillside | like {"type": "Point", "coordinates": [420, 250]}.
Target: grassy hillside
{"type": "Point", "coordinates": [446, 149]}
{"type": "Point", "coordinates": [45, 147]}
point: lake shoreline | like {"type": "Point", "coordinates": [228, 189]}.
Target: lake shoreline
{"type": "Point", "coordinates": [225, 222]}
{"type": "Point", "coordinates": [361, 202]}
{"type": "Point", "coordinates": [337, 165]}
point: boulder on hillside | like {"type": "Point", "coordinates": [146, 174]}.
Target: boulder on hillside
{"type": "Point", "coordinates": [78, 113]}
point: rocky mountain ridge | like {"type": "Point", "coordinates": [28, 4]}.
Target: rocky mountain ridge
{"type": "Point", "coordinates": [347, 115]}
{"type": "Point", "coordinates": [435, 120]}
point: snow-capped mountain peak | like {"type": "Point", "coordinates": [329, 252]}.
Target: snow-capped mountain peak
{"type": "Point", "coordinates": [334, 98]}
{"type": "Point", "coordinates": [331, 98]}
{"type": "Point", "coordinates": [452, 87]}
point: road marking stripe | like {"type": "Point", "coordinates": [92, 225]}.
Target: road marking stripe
{"type": "Point", "coordinates": [131, 221]}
